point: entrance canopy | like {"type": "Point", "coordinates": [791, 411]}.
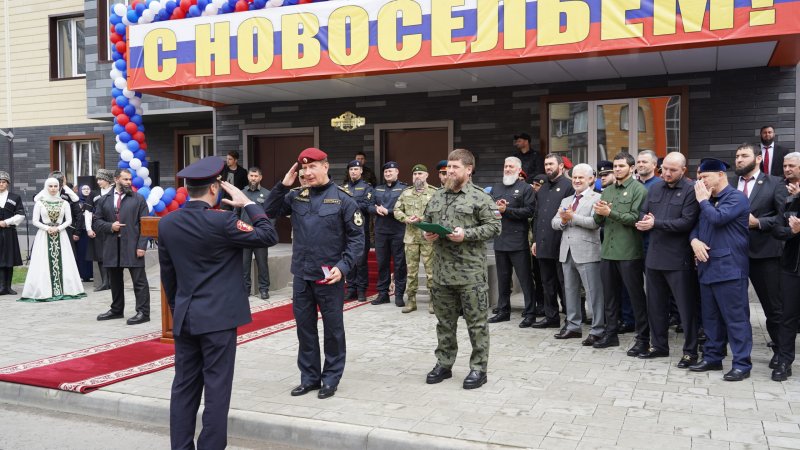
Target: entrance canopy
{"type": "Point", "coordinates": [373, 47]}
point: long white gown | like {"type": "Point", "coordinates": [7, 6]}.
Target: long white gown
{"type": "Point", "coordinates": [52, 273]}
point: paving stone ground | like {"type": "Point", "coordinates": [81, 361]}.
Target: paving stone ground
{"type": "Point", "coordinates": [541, 393]}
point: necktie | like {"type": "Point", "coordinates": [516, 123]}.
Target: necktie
{"type": "Point", "coordinates": [119, 201]}
{"type": "Point", "coordinates": [746, 180]}
{"type": "Point", "coordinates": [575, 203]}
{"type": "Point", "coordinates": [766, 159]}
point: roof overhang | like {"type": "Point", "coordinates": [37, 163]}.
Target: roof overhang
{"type": "Point", "coordinates": [373, 47]}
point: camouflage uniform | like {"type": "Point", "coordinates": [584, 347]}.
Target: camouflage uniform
{"type": "Point", "coordinates": [459, 282]}
{"type": "Point", "coordinates": [412, 203]}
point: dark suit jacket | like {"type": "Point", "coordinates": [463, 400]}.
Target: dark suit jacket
{"type": "Point", "coordinates": [119, 249]}
{"type": "Point", "coordinates": [778, 153]}
{"type": "Point", "coordinates": [723, 228]}
{"type": "Point", "coordinates": [519, 210]}
{"type": "Point", "coordinates": [675, 210]}
{"type": "Point", "coordinates": [548, 199]}
{"type": "Point", "coordinates": [767, 203]}
{"type": "Point", "coordinates": [200, 251]}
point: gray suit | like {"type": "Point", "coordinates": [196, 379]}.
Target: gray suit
{"type": "Point", "coordinates": [580, 259]}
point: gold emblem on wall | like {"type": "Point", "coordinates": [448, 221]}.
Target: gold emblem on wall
{"type": "Point", "coordinates": [348, 122]}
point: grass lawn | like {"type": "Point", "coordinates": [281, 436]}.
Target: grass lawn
{"type": "Point", "coordinates": [19, 275]}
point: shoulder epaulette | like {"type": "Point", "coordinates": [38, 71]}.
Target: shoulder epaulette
{"type": "Point", "coordinates": [295, 188]}
{"type": "Point", "coordinates": [344, 190]}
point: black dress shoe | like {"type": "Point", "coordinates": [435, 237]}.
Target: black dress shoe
{"type": "Point", "coordinates": [567, 334]}
{"type": "Point", "coordinates": [438, 374]}
{"type": "Point", "coordinates": [637, 349]}
{"type": "Point", "coordinates": [527, 322]}
{"type": "Point", "coordinates": [495, 310]}
{"type": "Point", "coordinates": [138, 318]}
{"type": "Point", "coordinates": [736, 375]}
{"type": "Point", "coordinates": [382, 298]}
{"type": "Point", "coordinates": [590, 340]}
{"type": "Point", "coordinates": [398, 301]}
{"type": "Point", "coordinates": [782, 372]}
{"type": "Point", "coordinates": [499, 318]}
{"type": "Point", "coordinates": [475, 379]}
{"type": "Point", "coordinates": [10, 291]}
{"type": "Point", "coordinates": [686, 361]}
{"type": "Point", "coordinates": [264, 295]}
{"type": "Point", "coordinates": [350, 295]}
{"type": "Point", "coordinates": [304, 389]}
{"type": "Point", "coordinates": [362, 296]}
{"type": "Point", "coordinates": [774, 362]}
{"type": "Point", "coordinates": [608, 340]}
{"type": "Point", "coordinates": [705, 366]}
{"type": "Point", "coordinates": [104, 287]}
{"type": "Point", "coordinates": [546, 323]}
{"type": "Point", "coordinates": [653, 353]}
{"type": "Point", "coordinates": [108, 315]}
{"type": "Point", "coordinates": [326, 392]}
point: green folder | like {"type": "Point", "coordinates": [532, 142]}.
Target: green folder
{"type": "Point", "coordinates": [433, 228]}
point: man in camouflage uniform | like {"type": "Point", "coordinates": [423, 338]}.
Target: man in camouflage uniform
{"type": "Point", "coordinates": [459, 267]}
{"type": "Point", "coordinates": [409, 209]}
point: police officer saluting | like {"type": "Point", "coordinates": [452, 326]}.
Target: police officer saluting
{"type": "Point", "coordinates": [389, 234]}
{"type": "Point", "coordinates": [362, 193]}
{"type": "Point", "coordinates": [200, 251]}
{"type": "Point", "coordinates": [328, 240]}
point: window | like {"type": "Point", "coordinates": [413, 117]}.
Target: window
{"type": "Point", "coordinates": [623, 120]}
{"type": "Point", "coordinates": [67, 54]}
{"type": "Point", "coordinates": [197, 147]}
{"type": "Point", "coordinates": [104, 10]}
{"type": "Point", "coordinates": [79, 158]}
{"type": "Point", "coordinates": [673, 125]}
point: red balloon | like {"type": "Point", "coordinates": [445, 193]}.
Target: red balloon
{"type": "Point", "coordinates": [123, 119]}
{"type": "Point", "coordinates": [121, 47]}
{"type": "Point", "coordinates": [134, 188]}
{"type": "Point", "coordinates": [177, 14]}
{"type": "Point", "coordinates": [183, 190]}
{"type": "Point", "coordinates": [241, 6]}
{"type": "Point", "coordinates": [131, 128]}
{"type": "Point", "coordinates": [143, 146]}
{"type": "Point", "coordinates": [180, 198]}
{"type": "Point", "coordinates": [113, 102]}
{"type": "Point", "coordinates": [139, 137]}
{"type": "Point", "coordinates": [115, 38]}
{"type": "Point", "coordinates": [173, 205]}
{"type": "Point", "coordinates": [185, 5]}
{"type": "Point", "coordinates": [116, 110]}
{"type": "Point", "coordinates": [162, 213]}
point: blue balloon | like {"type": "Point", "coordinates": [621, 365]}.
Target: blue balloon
{"type": "Point", "coordinates": [138, 182]}
{"type": "Point", "coordinates": [136, 93]}
{"type": "Point", "coordinates": [120, 28]}
{"type": "Point", "coordinates": [120, 64]}
{"type": "Point", "coordinates": [259, 4]}
{"type": "Point", "coordinates": [135, 118]}
{"type": "Point", "coordinates": [140, 9]}
{"type": "Point", "coordinates": [130, 110]}
{"type": "Point", "coordinates": [140, 154]}
{"type": "Point", "coordinates": [115, 55]}
{"type": "Point", "coordinates": [114, 19]}
{"type": "Point", "coordinates": [132, 16]}
{"type": "Point", "coordinates": [123, 164]}
{"type": "Point", "coordinates": [170, 6]}
{"type": "Point", "coordinates": [158, 207]}
{"type": "Point", "coordinates": [144, 191]}
{"type": "Point", "coordinates": [144, 162]}
{"type": "Point", "coordinates": [169, 195]}
{"type": "Point", "coordinates": [226, 8]}
{"type": "Point", "coordinates": [116, 92]}
{"type": "Point", "coordinates": [118, 128]}
{"type": "Point", "coordinates": [194, 11]}
{"type": "Point", "coordinates": [124, 137]}
{"type": "Point", "coordinates": [133, 146]}
{"type": "Point", "coordinates": [122, 101]}
{"type": "Point", "coordinates": [202, 4]}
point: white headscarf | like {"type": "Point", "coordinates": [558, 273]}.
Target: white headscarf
{"type": "Point", "coordinates": [45, 196]}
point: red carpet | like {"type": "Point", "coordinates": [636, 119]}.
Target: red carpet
{"type": "Point", "coordinates": [92, 368]}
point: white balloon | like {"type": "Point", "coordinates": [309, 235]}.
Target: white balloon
{"type": "Point", "coordinates": [120, 147]}
{"type": "Point", "coordinates": [212, 9]}
{"type": "Point", "coordinates": [136, 164]}
{"type": "Point", "coordinates": [120, 10]}
{"type": "Point", "coordinates": [136, 102]}
{"type": "Point", "coordinates": [126, 21]}
{"type": "Point", "coordinates": [126, 155]}
{"type": "Point", "coordinates": [118, 139]}
{"type": "Point", "coordinates": [149, 208]}
{"type": "Point", "coordinates": [128, 94]}
{"type": "Point", "coordinates": [156, 192]}
{"type": "Point", "coordinates": [142, 172]}
{"type": "Point", "coordinates": [120, 83]}
{"type": "Point", "coordinates": [219, 3]}
{"type": "Point", "coordinates": [114, 74]}
{"type": "Point", "coordinates": [147, 16]}
{"type": "Point", "coordinates": [155, 6]}
{"type": "Point", "coordinates": [274, 3]}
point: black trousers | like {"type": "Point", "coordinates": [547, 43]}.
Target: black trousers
{"type": "Point", "coordinates": [262, 262]}
{"type": "Point", "coordinates": [662, 287]}
{"type": "Point", "coordinates": [627, 273]}
{"type": "Point", "coordinates": [308, 296]}
{"type": "Point", "coordinates": [790, 316]}
{"type": "Point", "coordinates": [538, 289]}
{"type": "Point", "coordinates": [202, 362]}
{"type": "Point", "coordinates": [358, 278]}
{"type": "Point", "coordinates": [520, 262]}
{"type": "Point", "coordinates": [549, 268]}
{"type": "Point", "coordinates": [388, 247]}
{"type": "Point", "coordinates": [765, 274]}
{"type": "Point", "coordinates": [141, 289]}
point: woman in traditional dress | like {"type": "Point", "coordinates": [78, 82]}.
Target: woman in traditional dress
{"type": "Point", "coordinates": [52, 273]}
{"type": "Point", "coordinates": [82, 257]}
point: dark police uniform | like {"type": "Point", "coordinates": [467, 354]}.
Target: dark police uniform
{"type": "Point", "coordinates": [13, 213]}
{"type": "Point", "coordinates": [200, 251]}
{"type": "Point", "coordinates": [389, 245]}
{"type": "Point", "coordinates": [723, 278]}
{"type": "Point", "coordinates": [328, 231]}
{"type": "Point", "coordinates": [358, 278]}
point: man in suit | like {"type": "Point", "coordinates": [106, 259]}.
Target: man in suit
{"type": "Point", "coordinates": [720, 244]}
{"type": "Point", "coordinates": [200, 251]}
{"type": "Point", "coordinates": [669, 214]}
{"type": "Point", "coordinates": [514, 199]}
{"type": "Point", "coordinates": [772, 153]}
{"type": "Point", "coordinates": [548, 241]}
{"type": "Point", "coordinates": [767, 196]}
{"type": "Point", "coordinates": [119, 217]}
{"type": "Point", "coordinates": [12, 213]}
{"type": "Point", "coordinates": [580, 255]}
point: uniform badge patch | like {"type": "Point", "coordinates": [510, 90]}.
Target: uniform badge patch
{"type": "Point", "coordinates": [358, 219]}
{"type": "Point", "coordinates": [497, 214]}
{"type": "Point", "coordinates": [242, 226]}
{"type": "Point", "coordinates": [304, 193]}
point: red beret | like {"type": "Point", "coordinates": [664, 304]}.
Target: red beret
{"type": "Point", "coordinates": [567, 162]}
{"type": "Point", "coordinates": [310, 155]}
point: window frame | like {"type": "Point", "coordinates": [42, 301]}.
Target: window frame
{"type": "Point", "coordinates": [54, 48]}
{"type": "Point", "coordinates": [103, 34]}
{"type": "Point", "coordinates": [55, 144]}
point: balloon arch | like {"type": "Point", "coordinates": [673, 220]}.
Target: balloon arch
{"type": "Point", "coordinates": [126, 105]}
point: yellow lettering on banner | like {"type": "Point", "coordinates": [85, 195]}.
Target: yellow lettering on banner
{"type": "Point", "coordinates": [262, 30]}
{"type": "Point", "coordinates": [359, 35]}
{"type": "Point", "coordinates": [442, 25]}
{"type": "Point", "coordinates": [293, 37]}
{"type": "Point", "coordinates": [220, 48]}
{"type": "Point", "coordinates": [612, 22]}
{"type": "Point", "coordinates": [760, 17]}
{"type": "Point", "coordinates": [169, 42]}
{"type": "Point", "coordinates": [387, 30]}
{"type": "Point", "coordinates": [693, 12]}
{"type": "Point", "coordinates": [549, 18]}
{"type": "Point", "coordinates": [514, 14]}
{"type": "Point", "coordinates": [488, 29]}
